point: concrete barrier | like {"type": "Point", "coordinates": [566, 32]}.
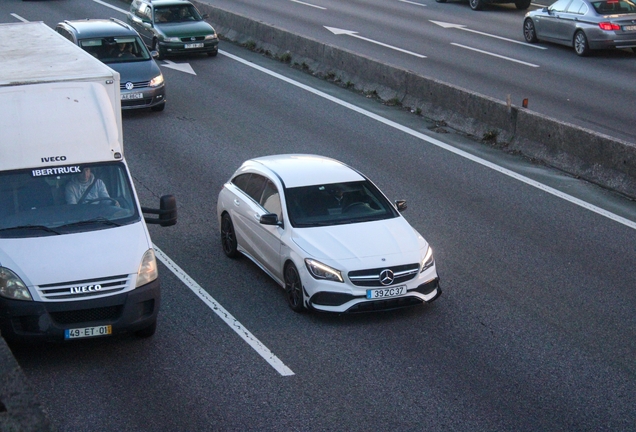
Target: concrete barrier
{"type": "Point", "coordinates": [595, 157]}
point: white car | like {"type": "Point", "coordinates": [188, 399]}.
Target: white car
{"type": "Point", "coordinates": [326, 234]}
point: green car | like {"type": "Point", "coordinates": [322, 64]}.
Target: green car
{"type": "Point", "coordinates": [173, 27]}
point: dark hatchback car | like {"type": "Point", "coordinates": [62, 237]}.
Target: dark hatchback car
{"type": "Point", "coordinates": [173, 27]}
{"type": "Point", "coordinates": [119, 46]}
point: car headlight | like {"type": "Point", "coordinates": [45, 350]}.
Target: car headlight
{"type": "Point", "coordinates": [211, 37]}
{"type": "Point", "coordinates": [322, 271]}
{"type": "Point", "coordinates": [172, 39]}
{"type": "Point", "coordinates": [428, 260]}
{"type": "Point", "coordinates": [147, 269]}
{"type": "Point", "coordinates": [12, 287]}
{"type": "Point", "coordinates": [156, 81]}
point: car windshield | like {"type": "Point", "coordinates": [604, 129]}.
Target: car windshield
{"type": "Point", "coordinates": [177, 13]}
{"type": "Point", "coordinates": [337, 203]}
{"type": "Point", "coordinates": [614, 7]}
{"type": "Point", "coordinates": [116, 49]}
{"type": "Point", "coordinates": [65, 199]}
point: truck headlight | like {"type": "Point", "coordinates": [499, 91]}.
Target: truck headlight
{"type": "Point", "coordinates": [156, 81]}
{"type": "Point", "coordinates": [322, 271]}
{"type": "Point", "coordinates": [428, 260]}
{"type": "Point", "coordinates": [12, 287]}
{"type": "Point", "coordinates": [147, 269]}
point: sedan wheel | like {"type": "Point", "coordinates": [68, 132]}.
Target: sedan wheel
{"type": "Point", "coordinates": [476, 4]}
{"type": "Point", "coordinates": [228, 237]}
{"type": "Point", "coordinates": [529, 31]}
{"type": "Point", "coordinates": [580, 44]}
{"type": "Point", "coordinates": [294, 289]}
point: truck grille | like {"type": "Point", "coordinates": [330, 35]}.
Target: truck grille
{"type": "Point", "coordinates": [88, 288]}
{"type": "Point", "coordinates": [371, 277]}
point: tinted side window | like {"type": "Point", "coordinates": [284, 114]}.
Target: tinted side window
{"type": "Point", "coordinates": [65, 33]}
{"type": "Point", "coordinates": [270, 200]}
{"type": "Point", "coordinates": [255, 187]}
{"type": "Point", "coordinates": [240, 181]}
{"type": "Point", "coordinates": [575, 7]}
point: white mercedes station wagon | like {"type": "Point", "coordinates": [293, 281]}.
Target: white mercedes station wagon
{"type": "Point", "coordinates": [326, 234]}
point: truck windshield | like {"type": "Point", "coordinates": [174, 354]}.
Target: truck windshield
{"type": "Point", "coordinates": [65, 199]}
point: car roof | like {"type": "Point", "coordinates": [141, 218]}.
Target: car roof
{"type": "Point", "coordinates": [87, 28]}
{"type": "Point", "coordinates": [167, 2]}
{"type": "Point", "coordinates": [296, 170]}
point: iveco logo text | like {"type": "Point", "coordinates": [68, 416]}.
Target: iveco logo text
{"type": "Point", "coordinates": [85, 288]}
{"type": "Point", "coordinates": [53, 159]}
{"type": "Point", "coordinates": [129, 86]}
{"type": "Point", "coordinates": [386, 277]}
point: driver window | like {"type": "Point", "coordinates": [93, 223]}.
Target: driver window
{"type": "Point", "coordinates": [270, 200]}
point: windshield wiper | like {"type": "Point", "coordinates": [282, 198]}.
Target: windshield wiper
{"type": "Point", "coordinates": [31, 227]}
{"type": "Point", "coordinates": [100, 220]}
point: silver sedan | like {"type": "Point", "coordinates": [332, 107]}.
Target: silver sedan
{"type": "Point", "coordinates": [584, 24]}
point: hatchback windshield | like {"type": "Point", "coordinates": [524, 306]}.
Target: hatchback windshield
{"type": "Point", "coordinates": [337, 203]}
{"type": "Point", "coordinates": [65, 199]}
{"type": "Point", "coordinates": [116, 49]}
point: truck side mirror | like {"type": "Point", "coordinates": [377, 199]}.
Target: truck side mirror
{"type": "Point", "coordinates": [167, 211]}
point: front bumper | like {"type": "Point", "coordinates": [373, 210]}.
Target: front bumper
{"type": "Point", "coordinates": [426, 292]}
{"type": "Point", "coordinates": [143, 97]}
{"type": "Point", "coordinates": [177, 48]}
{"type": "Point", "coordinates": [46, 321]}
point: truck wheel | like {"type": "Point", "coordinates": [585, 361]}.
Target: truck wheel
{"type": "Point", "coordinates": [523, 4]}
{"type": "Point", "coordinates": [476, 5]}
{"type": "Point", "coordinates": [148, 331]}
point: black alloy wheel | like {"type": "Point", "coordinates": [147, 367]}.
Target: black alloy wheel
{"type": "Point", "coordinates": [294, 289]}
{"type": "Point", "coordinates": [228, 237]}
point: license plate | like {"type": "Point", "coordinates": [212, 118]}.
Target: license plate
{"type": "Point", "coordinates": [386, 292]}
{"type": "Point", "coordinates": [128, 96]}
{"type": "Point", "coordinates": [629, 28]}
{"type": "Point", "coordinates": [88, 332]}
{"type": "Point", "coordinates": [194, 45]}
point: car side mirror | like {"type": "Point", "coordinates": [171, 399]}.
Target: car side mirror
{"type": "Point", "coordinates": [205, 16]}
{"type": "Point", "coordinates": [167, 211]}
{"type": "Point", "coordinates": [401, 205]}
{"type": "Point", "coordinates": [270, 219]}
{"type": "Point", "coordinates": [154, 54]}
{"type": "Point", "coordinates": [147, 24]}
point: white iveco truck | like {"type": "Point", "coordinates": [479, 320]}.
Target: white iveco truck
{"type": "Point", "coordinates": [76, 259]}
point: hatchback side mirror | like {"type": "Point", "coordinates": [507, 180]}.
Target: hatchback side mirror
{"type": "Point", "coordinates": [270, 219]}
{"type": "Point", "coordinates": [400, 205]}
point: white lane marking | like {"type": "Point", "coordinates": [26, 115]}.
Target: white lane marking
{"type": "Point", "coordinates": [111, 6]}
{"type": "Point", "coordinates": [248, 337]}
{"type": "Point", "coordinates": [440, 144]}
{"type": "Point", "coordinates": [463, 27]}
{"type": "Point", "coordinates": [495, 55]}
{"type": "Point", "coordinates": [413, 3]}
{"type": "Point", "coordinates": [182, 67]}
{"type": "Point", "coordinates": [338, 31]}
{"type": "Point", "coordinates": [19, 17]}
{"type": "Point", "coordinates": [309, 4]}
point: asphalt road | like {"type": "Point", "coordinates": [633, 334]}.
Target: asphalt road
{"type": "Point", "coordinates": [535, 329]}
{"type": "Point", "coordinates": [484, 52]}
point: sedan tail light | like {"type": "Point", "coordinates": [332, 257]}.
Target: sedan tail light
{"type": "Point", "coordinates": [608, 26]}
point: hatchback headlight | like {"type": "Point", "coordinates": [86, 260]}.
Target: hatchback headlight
{"type": "Point", "coordinates": [172, 39]}
{"type": "Point", "coordinates": [428, 260]}
{"type": "Point", "coordinates": [12, 287]}
{"type": "Point", "coordinates": [322, 271]}
{"type": "Point", "coordinates": [156, 81]}
{"type": "Point", "coordinates": [210, 37]}
{"type": "Point", "coordinates": [147, 269]}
